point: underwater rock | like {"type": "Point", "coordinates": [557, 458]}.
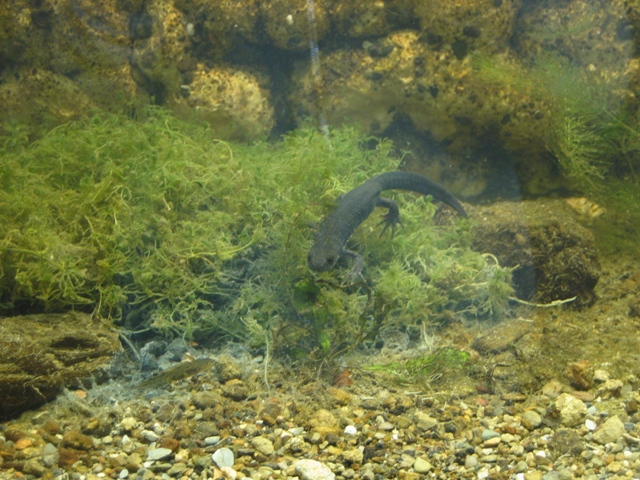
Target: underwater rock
{"type": "Point", "coordinates": [85, 43]}
{"type": "Point", "coordinates": [76, 36]}
{"type": "Point", "coordinates": [160, 55]}
{"type": "Point", "coordinates": [216, 27]}
{"type": "Point", "coordinates": [236, 103]}
{"type": "Point", "coordinates": [287, 23]}
{"type": "Point", "coordinates": [469, 25]}
{"type": "Point", "coordinates": [588, 33]}
{"type": "Point", "coordinates": [553, 256]}
{"type": "Point", "coordinates": [33, 97]}
{"type": "Point", "coordinates": [372, 19]}
{"type": "Point", "coordinates": [41, 354]}
{"type": "Point", "coordinates": [438, 92]}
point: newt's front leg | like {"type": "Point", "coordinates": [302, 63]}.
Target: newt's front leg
{"type": "Point", "coordinates": [392, 217]}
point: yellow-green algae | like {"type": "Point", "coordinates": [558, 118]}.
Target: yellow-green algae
{"type": "Point", "coordinates": [584, 110]}
{"type": "Point", "coordinates": [156, 224]}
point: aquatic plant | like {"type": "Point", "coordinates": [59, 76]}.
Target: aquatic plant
{"type": "Point", "coordinates": [156, 224]}
{"type": "Point", "coordinates": [579, 104]}
{"type": "Point", "coordinates": [431, 366]}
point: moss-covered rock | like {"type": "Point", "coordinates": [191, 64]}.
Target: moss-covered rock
{"type": "Point", "coordinates": [234, 102]}
{"type": "Point", "coordinates": [553, 256]}
{"type": "Point", "coordinates": [439, 92]}
{"type": "Point", "coordinates": [32, 98]}
{"type": "Point", "coordinates": [467, 25]}
{"type": "Point", "coordinates": [41, 354]}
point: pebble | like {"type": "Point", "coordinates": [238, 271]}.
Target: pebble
{"type": "Point", "coordinates": [263, 445]}
{"type": "Point", "coordinates": [223, 457]}
{"type": "Point", "coordinates": [350, 430]}
{"type": "Point", "coordinates": [313, 470]}
{"type": "Point", "coordinates": [610, 431]}
{"type": "Point", "coordinates": [531, 419]}
{"type": "Point", "coordinates": [389, 435]}
{"type": "Point", "coordinates": [572, 411]}
{"type": "Point", "coordinates": [471, 461]}
{"type": "Point", "coordinates": [158, 454]}
{"type": "Point", "coordinates": [489, 434]}
{"type": "Point", "coordinates": [421, 465]}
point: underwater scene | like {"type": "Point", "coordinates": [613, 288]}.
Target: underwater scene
{"type": "Point", "coordinates": [318, 239]}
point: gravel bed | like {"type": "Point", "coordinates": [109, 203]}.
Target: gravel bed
{"type": "Point", "coordinates": [224, 423]}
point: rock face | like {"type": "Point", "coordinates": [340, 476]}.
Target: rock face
{"type": "Point", "coordinates": [40, 354]}
{"type": "Point", "coordinates": [554, 257]}
{"type": "Point", "coordinates": [393, 59]}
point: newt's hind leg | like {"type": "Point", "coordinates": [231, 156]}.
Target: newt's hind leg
{"type": "Point", "coordinates": [392, 217]}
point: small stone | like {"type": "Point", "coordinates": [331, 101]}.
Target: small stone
{"type": "Point", "coordinates": [124, 473]}
{"type": "Point", "coordinates": [150, 436]}
{"type": "Point", "coordinates": [313, 470]}
{"type": "Point", "coordinates": [350, 430]}
{"type": "Point", "coordinates": [489, 434]}
{"type": "Point", "coordinates": [610, 431]}
{"type": "Point", "coordinates": [128, 423]}
{"type": "Point", "coordinates": [590, 425]}
{"type": "Point", "coordinates": [531, 419]}
{"type": "Point", "coordinates": [492, 442]}
{"type": "Point", "coordinates": [263, 445]}
{"type": "Point", "coordinates": [521, 466]}
{"type": "Point", "coordinates": [223, 457]}
{"type": "Point", "coordinates": [421, 465]}
{"type": "Point", "coordinates": [572, 411]}
{"type": "Point", "coordinates": [471, 461]}
{"type": "Point", "coordinates": [182, 456]}
{"type": "Point", "coordinates": [600, 376]}
{"type": "Point", "coordinates": [424, 421]}
{"type": "Point", "coordinates": [385, 426]}
{"type": "Point", "coordinates": [610, 388]}
{"type": "Point", "coordinates": [229, 472]}
{"type": "Point", "coordinates": [176, 469]}
{"type": "Point", "coordinates": [354, 455]}
{"type": "Point", "coordinates": [158, 454]}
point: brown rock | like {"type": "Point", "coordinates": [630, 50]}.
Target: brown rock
{"type": "Point", "coordinates": [580, 374]}
{"type": "Point", "coordinates": [42, 353]}
{"type": "Point", "coordinates": [501, 337]}
{"type": "Point", "coordinates": [555, 257]}
{"type": "Point", "coordinates": [76, 439]}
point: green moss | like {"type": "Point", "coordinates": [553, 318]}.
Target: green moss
{"type": "Point", "coordinates": [158, 225]}
{"type": "Point", "coordinates": [431, 366]}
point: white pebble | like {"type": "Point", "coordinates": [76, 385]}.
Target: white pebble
{"type": "Point", "coordinates": [483, 473]}
{"type": "Point", "coordinates": [350, 430]}
{"type": "Point", "coordinates": [590, 424]}
{"type": "Point", "coordinates": [223, 457]}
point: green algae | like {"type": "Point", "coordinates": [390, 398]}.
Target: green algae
{"type": "Point", "coordinates": [156, 224]}
{"type": "Point", "coordinates": [431, 366]}
{"type": "Point", "coordinates": [582, 130]}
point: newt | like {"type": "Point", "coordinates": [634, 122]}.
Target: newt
{"type": "Point", "coordinates": [355, 206]}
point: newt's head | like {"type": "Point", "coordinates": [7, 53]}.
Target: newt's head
{"type": "Point", "coordinates": [323, 255]}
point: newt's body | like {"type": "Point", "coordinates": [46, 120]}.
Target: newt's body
{"type": "Point", "coordinates": [355, 206]}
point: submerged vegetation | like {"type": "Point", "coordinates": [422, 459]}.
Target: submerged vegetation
{"type": "Point", "coordinates": [157, 225]}
{"type": "Point", "coordinates": [580, 134]}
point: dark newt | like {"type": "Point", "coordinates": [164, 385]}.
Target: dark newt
{"type": "Point", "coordinates": [355, 206]}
